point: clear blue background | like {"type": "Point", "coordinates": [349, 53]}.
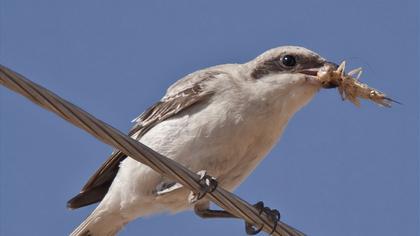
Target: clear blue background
{"type": "Point", "coordinates": [338, 170]}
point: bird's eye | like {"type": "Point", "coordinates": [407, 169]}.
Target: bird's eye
{"type": "Point", "coordinates": [288, 60]}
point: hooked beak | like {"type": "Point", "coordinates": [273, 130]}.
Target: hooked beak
{"type": "Point", "coordinates": [327, 66]}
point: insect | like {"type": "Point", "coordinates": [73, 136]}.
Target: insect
{"type": "Point", "coordinates": [351, 88]}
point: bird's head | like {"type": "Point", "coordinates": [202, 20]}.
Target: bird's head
{"type": "Point", "coordinates": [290, 63]}
{"type": "Point", "coordinates": [289, 74]}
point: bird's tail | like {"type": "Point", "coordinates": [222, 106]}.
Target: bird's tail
{"type": "Point", "coordinates": [100, 223]}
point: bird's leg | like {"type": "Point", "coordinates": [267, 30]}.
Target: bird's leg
{"type": "Point", "coordinates": [209, 184]}
{"type": "Point", "coordinates": [207, 213]}
{"type": "Point", "coordinates": [203, 210]}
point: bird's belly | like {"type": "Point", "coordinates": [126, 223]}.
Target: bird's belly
{"type": "Point", "coordinates": [227, 149]}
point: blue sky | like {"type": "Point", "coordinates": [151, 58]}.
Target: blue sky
{"type": "Point", "coordinates": [338, 170]}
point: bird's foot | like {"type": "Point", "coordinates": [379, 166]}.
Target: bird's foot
{"type": "Point", "coordinates": [208, 184]}
{"type": "Point", "coordinates": [272, 214]}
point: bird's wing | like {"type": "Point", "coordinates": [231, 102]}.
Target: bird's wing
{"type": "Point", "coordinates": [179, 97]}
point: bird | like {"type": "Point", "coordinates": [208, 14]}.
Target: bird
{"type": "Point", "coordinates": [222, 120]}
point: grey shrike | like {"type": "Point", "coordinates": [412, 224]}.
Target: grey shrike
{"type": "Point", "coordinates": [223, 119]}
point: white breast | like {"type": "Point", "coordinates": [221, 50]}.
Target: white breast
{"type": "Point", "coordinates": [227, 136]}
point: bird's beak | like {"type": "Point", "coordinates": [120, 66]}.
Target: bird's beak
{"type": "Point", "coordinates": [327, 66]}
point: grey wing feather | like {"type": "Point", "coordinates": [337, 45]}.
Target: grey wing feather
{"type": "Point", "coordinates": [166, 108]}
{"type": "Point", "coordinates": [179, 97]}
